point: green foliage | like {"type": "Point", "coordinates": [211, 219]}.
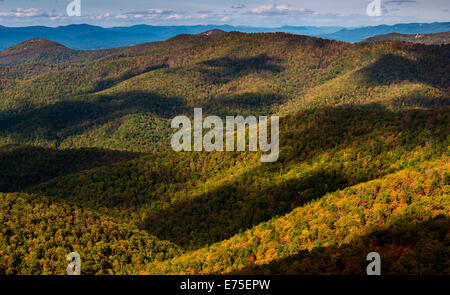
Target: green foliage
{"type": "Point", "coordinates": [408, 227]}
{"type": "Point", "coordinates": [195, 199]}
{"type": "Point", "coordinates": [24, 166]}
{"type": "Point", "coordinates": [39, 234]}
{"type": "Point", "coordinates": [363, 166]}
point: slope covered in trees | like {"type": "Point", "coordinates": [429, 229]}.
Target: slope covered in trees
{"type": "Point", "coordinates": [403, 216]}
{"type": "Point", "coordinates": [428, 39]}
{"type": "Point", "coordinates": [37, 234]}
{"type": "Point", "coordinates": [191, 198]}
{"type": "Point", "coordinates": [113, 102]}
{"type": "Point", "coordinates": [364, 151]}
{"type": "Point", "coordinates": [47, 52]}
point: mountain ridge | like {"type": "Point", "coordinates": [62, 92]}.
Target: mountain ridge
{"type": "Point", "coordinates": [428, 39]}
{"type": "Point", "coordinates": [360, 34]}
{"type": "Point", "coordinates": [86, 36]}
{"type": "Point", "coordinates": [87, 163]}
{"type": "Point", "coordinates": [38, 50]}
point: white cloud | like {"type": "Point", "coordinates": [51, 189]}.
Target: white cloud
{"type": "Point", "coordinates": [273, 10]}
{"type": "Point", "coordinates": [175, 16]}
{"type": "Point", "coordinates": [104, 16]}
{"type": "Point", "coordinates": [180, 16]}
{"type": "Point", "coordinates": [149, 13]}
{"type": "Point", "coordinates": [25, 12]}
{"type": "Point", "coordinates": [399, 2]}
{"type": "Point", "coordinates": [238, 6]}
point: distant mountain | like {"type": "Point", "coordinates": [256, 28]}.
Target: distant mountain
{"type": "Point", "coordinates": [213, 33]}
{"type": "Point", "coordinates": [40, 50]}
{"type": "Point", "coordinates": [428, 39]}
{"type": "Point", "coordinates": [94, 37]}
{"type": "Point", "coordinates": [72, 36]}
{"type": "Point", "coordinates": [360, 34]}
{"type": "Point", "coordinates": [43, 51]}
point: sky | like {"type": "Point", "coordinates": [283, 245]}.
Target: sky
{"type": "Point", "coordinates": [257, 13]}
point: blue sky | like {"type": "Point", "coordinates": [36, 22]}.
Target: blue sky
{"type": "Point", "coordinates": [267, 13]}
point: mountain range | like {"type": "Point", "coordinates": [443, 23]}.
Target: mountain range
{"type": "Point", "coordinates": [429, 39]}
{"type": "Point", "coordinates": [360, 34]}
{"type": "Point", "coordinates": [94, 37]}
{"type": "Point", "coordinates": [87, 164]}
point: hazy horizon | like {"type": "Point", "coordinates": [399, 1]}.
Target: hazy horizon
{"type": "Point", "coordinates": [218, 25]}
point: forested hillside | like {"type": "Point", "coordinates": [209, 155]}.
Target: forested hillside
{"type": "Point", "coordinates": [429, 39]}
{"type": "Point", "coordinates": [364, 157]}
{"type": "Point", "coordinates": [47, 52]}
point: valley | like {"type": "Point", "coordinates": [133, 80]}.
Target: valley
{"type": "Point", "coordinates": [363, 165]}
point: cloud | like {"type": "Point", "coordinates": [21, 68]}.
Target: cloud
{"type": "Point", "coordinates": [104, 16]}
{"type": "Point", "coordinates": [179, 16]}
{"type": "Point", "coordinates": [175, 16]}
{"type": "Point", "coordinates": [387, 5]}
{"type": "Point", "coordinates": [148, 13]}
{"type": "Point", "coordinates": [25, 12]}
{"type": "Point", "coordinates": [163, 14]}
{"type": "Point", "coordinates": [279, 10]}
{"type": "Point", "coordinates": [168, 14]}
{"type": "Point", "coordinates": [399, 2]}
{"type": "Point", "coordinates": [238, 6]}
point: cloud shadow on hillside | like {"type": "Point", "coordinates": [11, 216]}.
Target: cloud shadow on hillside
{"type": "Point", "coordinates": [257, 194]}
{"type": "Point", "coordinates": [73, 117]}
{"type": "Point", "coordinates": [390, 69]}
{"type": "Point", "coordinates": [217, 215]}
{"type": "Point", "coordinates": [24, 166]}
{"type": "Point", "coordinates": [224, 211]}
{"type": "Point", "coordinates": [225, 69]}
{"type": "Point", "coordinates": [66, 118]}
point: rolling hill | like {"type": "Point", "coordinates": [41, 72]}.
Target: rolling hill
{"type": "Point", "coordinates": [428, 39]}
{"type": "Point", "coordinates": [363, 166]}
{"type": "Point", "coordinates": [47, 52]}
